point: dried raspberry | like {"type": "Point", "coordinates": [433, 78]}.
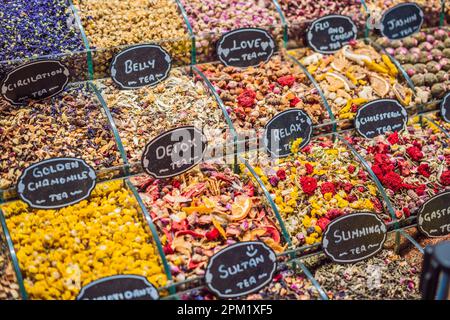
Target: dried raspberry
{"type": "Point", "coordinates": [414, 153]}
{"type": "Point", "coordinates": [247, 98]}
{"type": "Point", "coordinates": [445, 178]}
{"type": "Point", "coordinates": [309, 168]}
{"type": "Point", "coordinates": [328, 187]}
{"type": "Point", "coordinates": [281, 174]}
{"type": "Point", "coordinates": [322, 223]}
{"type": "Point", "coordinates": [424, 169]}
{"type": "Point", "coordinates": [286, 80]}
{"type": "Point", "coordinates": [351, 169]}
{"type": "Point", "coordinates": [393, 138]}
{"type": "Point", "coordinates": [294, 102]}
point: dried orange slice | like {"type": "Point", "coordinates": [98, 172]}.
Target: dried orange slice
{"type": "Point", "coordinates": [240, 208]}
{"type": "Point", "coordinates": [379, 85]}
{"type": "Point", "coordinates": [339, 63]}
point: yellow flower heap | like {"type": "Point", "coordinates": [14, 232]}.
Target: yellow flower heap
{"type": "Point", "coordinates": [316, 185]}
{"type": "Point", "coordinates": [60, 251]}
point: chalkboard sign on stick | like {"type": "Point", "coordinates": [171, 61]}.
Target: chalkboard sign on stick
{"type": "Point", "coordinates": [401, 21]}
{"type": "Point", "coordinates": [174, 152]}
{"type": "Point", "coordinates": [56, 183]}
{"type": "Point", "coordinates": [120, 287]}
{"type": "Point", "coordinates": [284, 128]}
{"type": "Point", "coordinates": [434, 216]}
{"type": "Point", "coordinates": [141, 65]}
{"type": "Point", "coordinates": [354, 237]}
{"type": "Point", "coordinates": [380, 116]}
{"type": "Point", "coordinates": [245, 47]}
{"type": "Point", "coordinates": [240, 269]}
{"type": "Point", "coordinates": [35, 80]}
{"type": "Point", "coordinates": [330, 33]}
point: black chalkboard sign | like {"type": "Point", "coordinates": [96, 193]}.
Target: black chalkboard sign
{"type": "Point", "coordinates": [56, 183]}
{"type": "Point", "coordinates": [245, 47]}
{"type": "Point", "coordinates": [445, 107]}
{"type": "Point", "coordinates": [35, 80]}
{"type": "Point", "coordinates": [240, 269]}
{"type": "Point", "coordinates": [121, 287]}
{"type": "Point", "coordinates": [401, 21]}
{"type": "Point", "coordinates": [174, 152]}
{"type": "Point", "coordinates": [285, 128]}
{"type": "Point", "coordinates": [354, 237]}
{"type": "Point", "coordinates": [330, 33]}
{"type": "Point", "coordinates": [380, 116]}
{"type": "Point", "coordinates": [434, 216]}
{"type": "Point", "coordinates": [141, 65]}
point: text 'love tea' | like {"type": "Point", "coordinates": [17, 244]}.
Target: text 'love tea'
{"type": "Point", "coordinates": [245, 47]}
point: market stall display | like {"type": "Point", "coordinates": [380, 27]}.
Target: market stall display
{"type": "Point", "coordinates": [60, 251]}
{"type": "Point", "coordinates": [413, 165]}
{"type": "Point", "coordinates": [386, 276]}
{"type": "Point", "coordinates": [144, 113]}
{"type": "Point", "coordinates": [355, 75]}
{"type": "Point", "coordinates": [111, 26]}
{"type": "Point", "coordinates": [254, 95]}
{"type": "Point", "coordinates": [300, 14]}
{"type": "Point", "coordinates": [317, 184]}
{"type": "Point", "coordinates": [210, 19]}
{"type": "Point", "coordinates": [315, 173]}
{"type": "Point", "coordinates": [425, 58]}
{"type": "Point", "coordinates": [203, 210]}
{"type": "Point", "coordinates": [71, 124]}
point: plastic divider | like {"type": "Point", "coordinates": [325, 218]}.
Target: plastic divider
{"type": "Point", "coordinates": [318, 88]}
{"type": "Point", "coordinates": [412, 240]}
{"type": "Point", "coordinates": [311, 278]}
{"type": "Point", "coordinates": [153, 231]}
{"type": "Point", "coordinates": [447, 134]}
{"type": "Point", "coordinates": [190, 31]}
{"type": "Point", "coordinates": [85, 40]}
{"type": "Point", "coordinates": [13, 256]}
{"type": "Point", "coordinates": [283, 22]}
{"type": "Point", "coordinates": [269, 199]}
{"type": "Point", "coordinates": [111, 123]}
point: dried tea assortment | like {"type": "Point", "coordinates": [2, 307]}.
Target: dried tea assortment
{"type": "Point", "coordinates": [355, 75]}
{"type": "Point", "coordinates": [112, 25]}
{"type": "Point", "coordinates": [413, 165]}
{"type": "Point", "coordinates": [9, 288]}
{"type": "Point", "coordinates": [209, 19]}
{"type": "Point", "coordinates": [144, 113]}
{"type": "Point", "coordinates": [204, 210]}
{"type": "Point", "coordinates": [317, 184]}
{"type": "Point", "coordinates": [385, 276]}
{"type": "Point", "coordinates": [254, 95]}
{"type": "Point", "coordinates": [425, 56]}
{"type": "Point", "coordinates": [300, 14]}
{"type": "Point", "coordinates": [71, 124]}
{"type": "Point", "coordinates": [60, 251]}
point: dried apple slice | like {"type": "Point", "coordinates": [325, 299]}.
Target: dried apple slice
{"type": "Point", "coordinates": [240, 208]}
{"type": "Point", "coordinates": [403, 94]}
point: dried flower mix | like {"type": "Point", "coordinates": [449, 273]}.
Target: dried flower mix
{"type": "Point", "coordinates": [425, 56]}
{"type": "Point", "coordinates": [142, 114]}
{"type": "Point", "coordinates": [203, 210]}
{"type": "Point", "coordinates": [113, 23]}
{"type": "Point", "coordinates": [60, 251]}
{"type": "Point", "coordinates": [210, 18]}
{"type": "Point", "coordinates": [71, 124]}
{"type": "Point", "coordinates": [9, 288]}
{"type": "Point", "coordinates": [355, 75]}
{"type": "Point", "coordinates": [412, 165]}
{"type": "Point", "coordinates": [385, 276]}
{"type": "Point", "coordinates": [31, 28]}
{"type": "Point", "coordinates": [254, 95]}
{"type": "Point", "coordinates": [300, 14]}
{"type": "Point", "coordinates": [316, 185]}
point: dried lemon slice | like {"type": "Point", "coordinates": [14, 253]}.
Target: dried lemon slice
{"type": "Point", "coordinates": [339, 63]}
{"type": "Point", "coordinates": [379, 85]}
{"type": "Point", "coordinates": [403, 94]}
